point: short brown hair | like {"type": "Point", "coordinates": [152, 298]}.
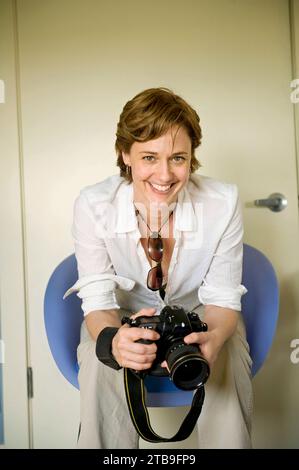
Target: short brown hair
{"type": "Point", "coordinates": [149, 115]}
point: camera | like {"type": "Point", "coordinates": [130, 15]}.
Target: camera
{"type": "Point", "coordinates": [187, 367]}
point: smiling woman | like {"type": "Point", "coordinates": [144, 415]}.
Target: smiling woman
{"type": "Point", "coordinates": [157, 135]}
{"type": "Point", "coordinates": [160, 168]}
{"type": "Point", "coordinates": [176, 239]}
{"type": "Point", "coordinates": [151, 114]}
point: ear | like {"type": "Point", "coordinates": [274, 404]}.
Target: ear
{"type": "Point", "coordinates": [126, 158]}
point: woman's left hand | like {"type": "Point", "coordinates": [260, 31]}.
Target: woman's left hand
{"type": "Point", "coordinates": [210, 343]}
{"type": "Point", "coordinates": [222, 323]}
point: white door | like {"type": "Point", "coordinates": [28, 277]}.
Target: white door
{"type": "Point", "coordinates": [79, 63]}
{"type": "Point", "coordinates": [14, 424]}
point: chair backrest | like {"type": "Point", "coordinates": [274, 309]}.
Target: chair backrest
{"type": "Point", "coordinates": [63, 319]}
{"type": "Point", "coordinates": [260, 306]}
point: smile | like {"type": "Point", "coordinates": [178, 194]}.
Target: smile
{"type": "Point", "coordinates": [161, 189]}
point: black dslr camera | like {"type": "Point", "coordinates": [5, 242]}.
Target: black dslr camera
{"type": "Point", "coordinates": [188, 369]}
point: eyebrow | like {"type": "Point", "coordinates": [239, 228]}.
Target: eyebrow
{"type": "Point", "coordinates": [156, 153]}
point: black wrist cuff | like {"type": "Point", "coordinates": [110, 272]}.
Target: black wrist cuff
{"type": "Point", "coordinates": [103, 347]}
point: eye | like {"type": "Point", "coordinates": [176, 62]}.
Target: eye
{"type": "Point", "coordinates": [148, 158]}
{"type": "Point", "coordinates": [178, 158]}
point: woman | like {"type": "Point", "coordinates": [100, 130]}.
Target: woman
{"type": "Point", "coordinates": [159, 235]}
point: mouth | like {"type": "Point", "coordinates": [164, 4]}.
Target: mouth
{"type": "Point", "coordinates": [161, 189]}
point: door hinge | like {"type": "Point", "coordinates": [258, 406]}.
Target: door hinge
{"type": "Point", "coordinates": [29, 382]}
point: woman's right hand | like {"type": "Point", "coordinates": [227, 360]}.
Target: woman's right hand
{"type": "Point", "coordinates": [127, 352]}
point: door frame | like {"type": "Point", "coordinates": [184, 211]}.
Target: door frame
{"type": "Point", "coordinates": [12, 256]}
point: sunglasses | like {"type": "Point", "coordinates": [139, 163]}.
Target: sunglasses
{"type": "Point", "coordinates": [155, 251]}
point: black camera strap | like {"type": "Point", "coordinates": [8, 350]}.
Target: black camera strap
{"type": "Point", "coordinates": [135, 395]}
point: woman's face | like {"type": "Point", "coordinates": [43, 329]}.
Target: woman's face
{"type": "Point", "coordinates": [160, 167]}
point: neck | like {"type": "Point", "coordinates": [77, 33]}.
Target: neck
{"type": "Point", "coordinates": [154, 221]}
{"type": "Point", "coordinates": [154, 210]}
{"type": "Point", "coordinates": [155, 214]}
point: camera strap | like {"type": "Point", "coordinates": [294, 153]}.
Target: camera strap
{"type": "Point", "coordinates": [135, 395]}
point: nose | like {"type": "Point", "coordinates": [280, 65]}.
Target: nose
{"type": "Point", "coordinates": [164, 173]}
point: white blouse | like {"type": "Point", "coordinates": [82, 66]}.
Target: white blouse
{"type": "Point", "coordinates": [206, 264]}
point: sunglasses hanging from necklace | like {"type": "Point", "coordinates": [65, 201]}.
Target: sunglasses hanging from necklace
{"type": "Point", "coordinates": [155, 251]}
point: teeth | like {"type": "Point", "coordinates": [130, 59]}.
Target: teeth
{"type": "Point", "coordinates": [161, 188]}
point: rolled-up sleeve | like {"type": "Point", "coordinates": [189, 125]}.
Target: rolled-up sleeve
{"type": "Point", "coordinates": [222, 284]}
{"type": "Point", "coordinates": [98, 291]}
{"type": "Point", "coordinates": [97, 280]}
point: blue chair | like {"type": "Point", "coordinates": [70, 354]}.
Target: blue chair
{"type": "Point", "coordinates": [260, 308]}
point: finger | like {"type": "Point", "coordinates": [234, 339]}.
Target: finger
{"type": "Point", "coordinates": [138, 348]}
{"type": "Point", "coordinates": [134, 334]}
{"type": "Point", "coordinates": [164, 364]}
{"type": "Point", "coordinates": [136, 365]}
{"type": "Point", "coordinates": [126, 344]}
{"type": "Point", "coordinates": [148, 312]}
{"type": "Point", "coordinates": [198, 338]}
{"type": "Point", "coordinates": [139, 358]}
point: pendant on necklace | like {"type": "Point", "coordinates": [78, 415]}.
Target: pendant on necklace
{"type": "Point", "coordinates": [154, 235]}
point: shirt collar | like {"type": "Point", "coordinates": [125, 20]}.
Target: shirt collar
{"type": "Point", "coordinates": [126, 221]}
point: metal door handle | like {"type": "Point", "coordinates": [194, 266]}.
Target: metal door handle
{"type": "Point", "coordinates": [276, 202]}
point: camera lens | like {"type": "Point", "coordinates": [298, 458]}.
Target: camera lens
{"type": "Point", "coordinates": [188, 369]}
{"type": "Point", "coordinates": [190, 373]}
